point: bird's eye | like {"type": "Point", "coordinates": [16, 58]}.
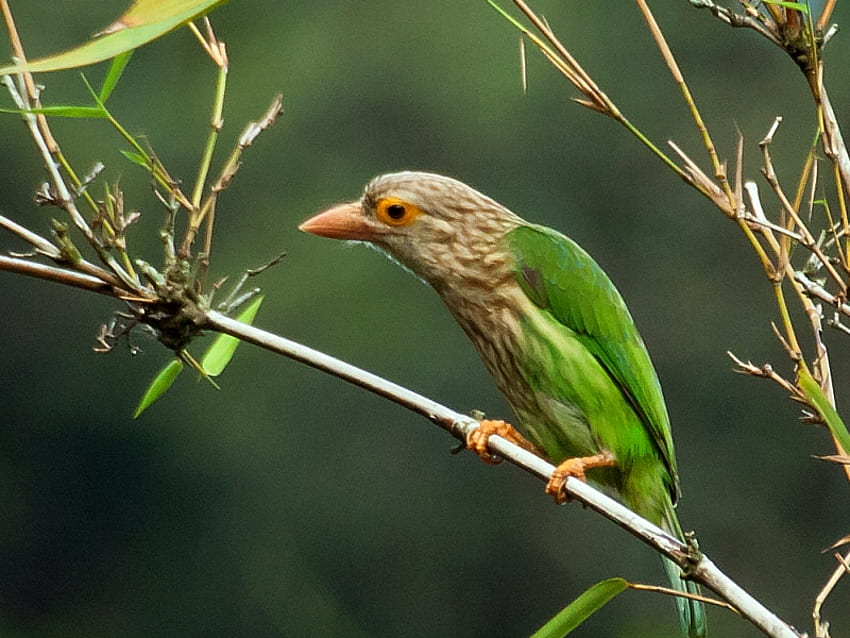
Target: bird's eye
{"type": "Point", "coordinates": [395, 212]}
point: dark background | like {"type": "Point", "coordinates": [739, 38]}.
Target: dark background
{"type": "Point", "coordinates": [290, 504]}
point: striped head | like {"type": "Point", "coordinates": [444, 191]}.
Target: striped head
{"type": "Point", "coordinates": [441, 229]}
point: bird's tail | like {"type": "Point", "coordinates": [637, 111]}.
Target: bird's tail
{"type": "Point", "coordinates": [691, 612]}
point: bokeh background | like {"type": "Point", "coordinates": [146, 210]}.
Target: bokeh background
{"type": "Point", "coordinates": [290, 504]}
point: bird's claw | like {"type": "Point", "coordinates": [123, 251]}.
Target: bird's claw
{"type": "Point", "coordinates": [575, 468]}
{"type": "Point", "coordinates": [478, 440]}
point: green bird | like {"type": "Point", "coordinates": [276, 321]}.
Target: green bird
{"type": "Point", "coordinates": [552, 330]}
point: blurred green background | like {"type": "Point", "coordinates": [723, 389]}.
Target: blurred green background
{"type": "Point", "coordinates": [290, 504]}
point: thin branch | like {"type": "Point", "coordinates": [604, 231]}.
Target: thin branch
{"type": "Point", "coordinates": [833, 140]}
{"type": "Point", "coordinates": [737, 20]}
{"type": "Point", "coordinates": [699, 567]}
{"type": "Point", "coordinates": [56, 275]}
{"type": "Point", "coordinates": [675, 592]}
{"type": "Point", "coordinates": [822, 628]}
{"type": "Point", "coordinates": [42, 245]}
{"type": "Point", "coordinates": [29, 83]}
{"type": "Point", "coordinates": [679, 79]}
{"type": "Point", "coordinates": [814, 289]}
{"type": "Point", "coordinates": [63, 193]}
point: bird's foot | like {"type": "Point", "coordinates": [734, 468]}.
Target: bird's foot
{"type": "Point", "coordinates": [576, 468]}
{"type": "Point", "coordinates": [477, 441]}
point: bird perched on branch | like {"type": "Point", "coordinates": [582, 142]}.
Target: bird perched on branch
{"type": "Point", "coordinates": [552, 330]}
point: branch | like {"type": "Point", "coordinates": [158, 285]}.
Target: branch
{"type": "Point", "coordinates": [57, 275]}
{"type": "Point", "coordinates": [815, 290]}
{"type": "Point", "coordinates": [699, 567]}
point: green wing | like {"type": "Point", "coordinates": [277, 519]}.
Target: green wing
{"type": "Point", "coordinates": [560, 277]}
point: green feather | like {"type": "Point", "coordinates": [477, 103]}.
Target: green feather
{"type": "Point", "coordinates": [561, 278]}
{"type": "Point", "coordinates": [585, 322]}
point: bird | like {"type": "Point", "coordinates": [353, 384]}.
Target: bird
{"type": "Point", "coordinates": [552, 330]}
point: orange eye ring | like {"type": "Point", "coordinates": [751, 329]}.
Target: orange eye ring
{"type": "Point", "coordinates": [393, 211]}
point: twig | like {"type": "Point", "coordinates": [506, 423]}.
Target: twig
{"type": "Point", "coordinates": [736, 20]}
{"type": "Point", "coordinates": [63, 193]}
{"type": "Point", "coordinates": [56, 275]}
{"type": "Point", "coordinates": [675, 592]}
{"type": "Point", "coordinates": [679, 79]}
{"type": "Point", "coordinates": [29, 83]}
{"type": "Point", "coordinates": [817, 291]}
{"type": "Point", "coordinates": [822, 628]}
{"type": "Point", "coordinates": [833, 141]}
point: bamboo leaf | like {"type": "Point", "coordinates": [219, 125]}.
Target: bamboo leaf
{"type": "Point", "coordinates": [63, 111]}
{"type": "Point", "coordinates": [802, 7]}
{"type": "Point", "coordinates": [143, 22]}
{"type": "Point", "coordinates": [818, 400]}
{"type": "Point", "coordinates": [116, 70]}
{"type": "Point", "coordinates": [160, 384]}
{"type": "Point", "coordinates": [136, 158]}
{"type": "Point", "coordinates": [582, 608]}
{"type": "Point", "coordinates": [222, 349]}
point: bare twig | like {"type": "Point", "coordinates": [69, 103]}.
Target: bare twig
{"type": "Point", "coordinates": [676, 72]}
{"type": "Point", "coordinates": [821, 627]}
{"type": "Point", "coordinates": [56, 275]}
{"type": "Point", "coordinates": [817, 291]}
{"type": "Point", "coordinates": [737, 20]}
{"type": "Point", "coordinates": [675, 592]}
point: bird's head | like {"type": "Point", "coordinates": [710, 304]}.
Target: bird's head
{"type": "Point", "coordinates": [438, 227]}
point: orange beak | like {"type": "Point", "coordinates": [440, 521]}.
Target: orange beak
{"type": "Point", "coordinates": [343, 221]}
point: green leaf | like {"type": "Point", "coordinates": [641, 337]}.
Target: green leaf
{"type": "Point", "coordinates": [582, 608]}
{"type": "Point", "coordinates": [802, 7]}
{"type": "Point", "coordinates": [116, 69]}
{"type": "Point", "coordinates": [159, 385]}
{"type": "Point", "coordinates": [819, 402]}
{"type": "Point", "coordinates": [144, 22]}
{"type": "Point", "coordinates": [222, 349]}
{"type": "Point", "coordinates": [136, 158]}
{"type": "Point", "coordinates": [63, 111]}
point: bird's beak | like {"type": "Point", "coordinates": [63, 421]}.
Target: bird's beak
{"type": "Point", "coordinates": [343, 221]}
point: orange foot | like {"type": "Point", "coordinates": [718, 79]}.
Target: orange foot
{"type": "Point", "coordinates": [478, 439]}
{"type": "Point", "coordinates": [576, 468]}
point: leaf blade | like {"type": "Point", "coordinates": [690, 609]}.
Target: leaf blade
{"type": "Point", "coordinates": [159, 385]}
{"type": "Point", "coordinates": [144, 22]}
{"type": "Point", "coordinates": [582, 608]}
{"type": "Point", "coordinates": [116, 70]}
{"type": "Point", "coordinates": [222, 349]}
{"type": "Point", "coordinates": [820, 402]}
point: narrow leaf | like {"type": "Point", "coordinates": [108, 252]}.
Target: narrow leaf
{"type": "Point", "coordinates": [802, 7]}
{"type": "Point", "coordinates": [582, 608]}
{"type": "Point", "coordinates": [222, 349]}
{"type": "Point", "coordinates": [819, 402]}
{"type": "Point", "coordinates": [160, 384]}
{"type": "Point", "coordinates": [116, 70]}
{"type": "Point", "coordinates": [144, 12]}
{"type": "Point", "coordinates": [63, 111]}
{"type": "Point", "coordinates": [134, 157]}
{"type": "Point", "coordinates": [144, 22]}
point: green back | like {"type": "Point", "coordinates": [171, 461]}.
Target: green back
{"type": "Point", "coordinates": [561, 278]}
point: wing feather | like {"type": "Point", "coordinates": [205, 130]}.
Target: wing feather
{"type": "Point", "coordinates": [563, 279]}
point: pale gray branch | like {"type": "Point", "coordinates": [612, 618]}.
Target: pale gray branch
{"type": "Point", "coordinates": [833, 142]}
{"type": "Point", "coordinates": [817, 291]}
{"type": "Point", "coordinates": [56, 275]}
{"type": "Point", "coordinates": [700, 567]}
